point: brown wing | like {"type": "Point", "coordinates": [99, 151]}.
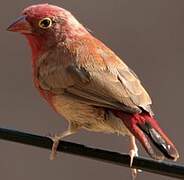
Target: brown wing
{"type": "Point", "coordinates": [91, 72]}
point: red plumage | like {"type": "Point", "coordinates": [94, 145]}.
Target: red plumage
{"type": "Point", "coordinates": [88, 83]}
{"type": "Point", "coordinates": [145, 128]}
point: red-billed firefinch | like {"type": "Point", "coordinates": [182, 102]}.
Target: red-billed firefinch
{"type": "Point", "coordinates": [88, 83]}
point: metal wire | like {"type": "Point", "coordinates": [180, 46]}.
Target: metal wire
{"type": "Point", "coordinates": [149, 165]}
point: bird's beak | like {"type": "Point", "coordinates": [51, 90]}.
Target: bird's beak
{"type": "Point", "coordinates": [20, 25]}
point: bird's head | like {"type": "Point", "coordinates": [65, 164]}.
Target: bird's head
{"type": "Point", "coordinates": [45, 25]}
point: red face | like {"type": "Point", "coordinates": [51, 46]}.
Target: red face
{"type": "Point", "coordinates": [41, 24]}
{"type": "Point", "coordinates": [37, 20]}
{"type": "Point", "coordinates": [46, 25]}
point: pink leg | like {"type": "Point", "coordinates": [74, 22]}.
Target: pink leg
{"type": "Point", "coordinates": [133, 152]}
{"type": "Point", "coordinates": [72, 129]}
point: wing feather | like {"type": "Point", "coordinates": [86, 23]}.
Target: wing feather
{"type": "Point", "coordinates": [91, 72]}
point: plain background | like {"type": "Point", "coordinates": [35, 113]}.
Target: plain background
{"type": "Point", "coordinates": [147, 34]}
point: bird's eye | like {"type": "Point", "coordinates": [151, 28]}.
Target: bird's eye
{"type": "Point", "coordinates": [45, 23]}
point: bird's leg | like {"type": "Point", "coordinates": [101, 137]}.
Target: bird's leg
{"type": "Point", "coordinates": [133, 152]}
{"type": "Point", "coordinates": [72, 129]}
{"type": "Point", "coordinates": [56, 138]}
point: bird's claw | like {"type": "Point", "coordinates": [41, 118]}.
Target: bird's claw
{"type": "Point", "coordinates": [55, 138]}
{"type": "Point", "coordinates": [133, 153]}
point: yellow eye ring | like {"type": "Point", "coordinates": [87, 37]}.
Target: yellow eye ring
{"type": "Point", "coordinates": [45, 23]}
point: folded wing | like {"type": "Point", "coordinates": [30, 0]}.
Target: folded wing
{"type": "Point", "coordinates": [91, 72]}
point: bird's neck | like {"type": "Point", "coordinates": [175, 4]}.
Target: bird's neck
{"type": "Point", "coordinates": [37, 47]}
{"type": "Point", "coordinates": [73, 29]}
{"type": "Point", "coordinates": [36, 44]}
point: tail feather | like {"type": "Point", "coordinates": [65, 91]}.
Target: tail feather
{"type": "Point", "coordinates": [146, 129]}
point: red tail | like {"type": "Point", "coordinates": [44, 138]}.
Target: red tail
{"type": "Point", "coordinates": [146, 129]}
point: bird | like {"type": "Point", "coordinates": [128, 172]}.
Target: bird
{"type": "Point", "coordinates": [87, 83]}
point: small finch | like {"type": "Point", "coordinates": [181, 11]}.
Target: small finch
{"type": "Point", "coordinates": [87, 83]}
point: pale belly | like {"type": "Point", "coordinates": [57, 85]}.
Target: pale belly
{"type": "Point", "coordinates": [87, 116]}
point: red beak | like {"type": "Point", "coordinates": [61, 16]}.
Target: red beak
{"type": "Point", "coordinates": [20, 25]}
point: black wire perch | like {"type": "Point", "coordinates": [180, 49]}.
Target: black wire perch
{"type": "Point", "coordinates": [157, 167]}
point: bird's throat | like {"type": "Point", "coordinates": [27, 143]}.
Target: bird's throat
{"type": "Point", "coordinates": [36, 43]}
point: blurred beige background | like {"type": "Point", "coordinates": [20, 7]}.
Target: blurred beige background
{"type": "Point", "coordinates": [148, 34]}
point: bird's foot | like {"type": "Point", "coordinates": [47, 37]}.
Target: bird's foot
{"type": "Point", "coordinates": [133, 153]}
{"type": "Point", "coordinates": [55, 138]}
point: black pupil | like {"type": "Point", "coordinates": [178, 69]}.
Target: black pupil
{"type": "Point", "coordinates": [45, 23]}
